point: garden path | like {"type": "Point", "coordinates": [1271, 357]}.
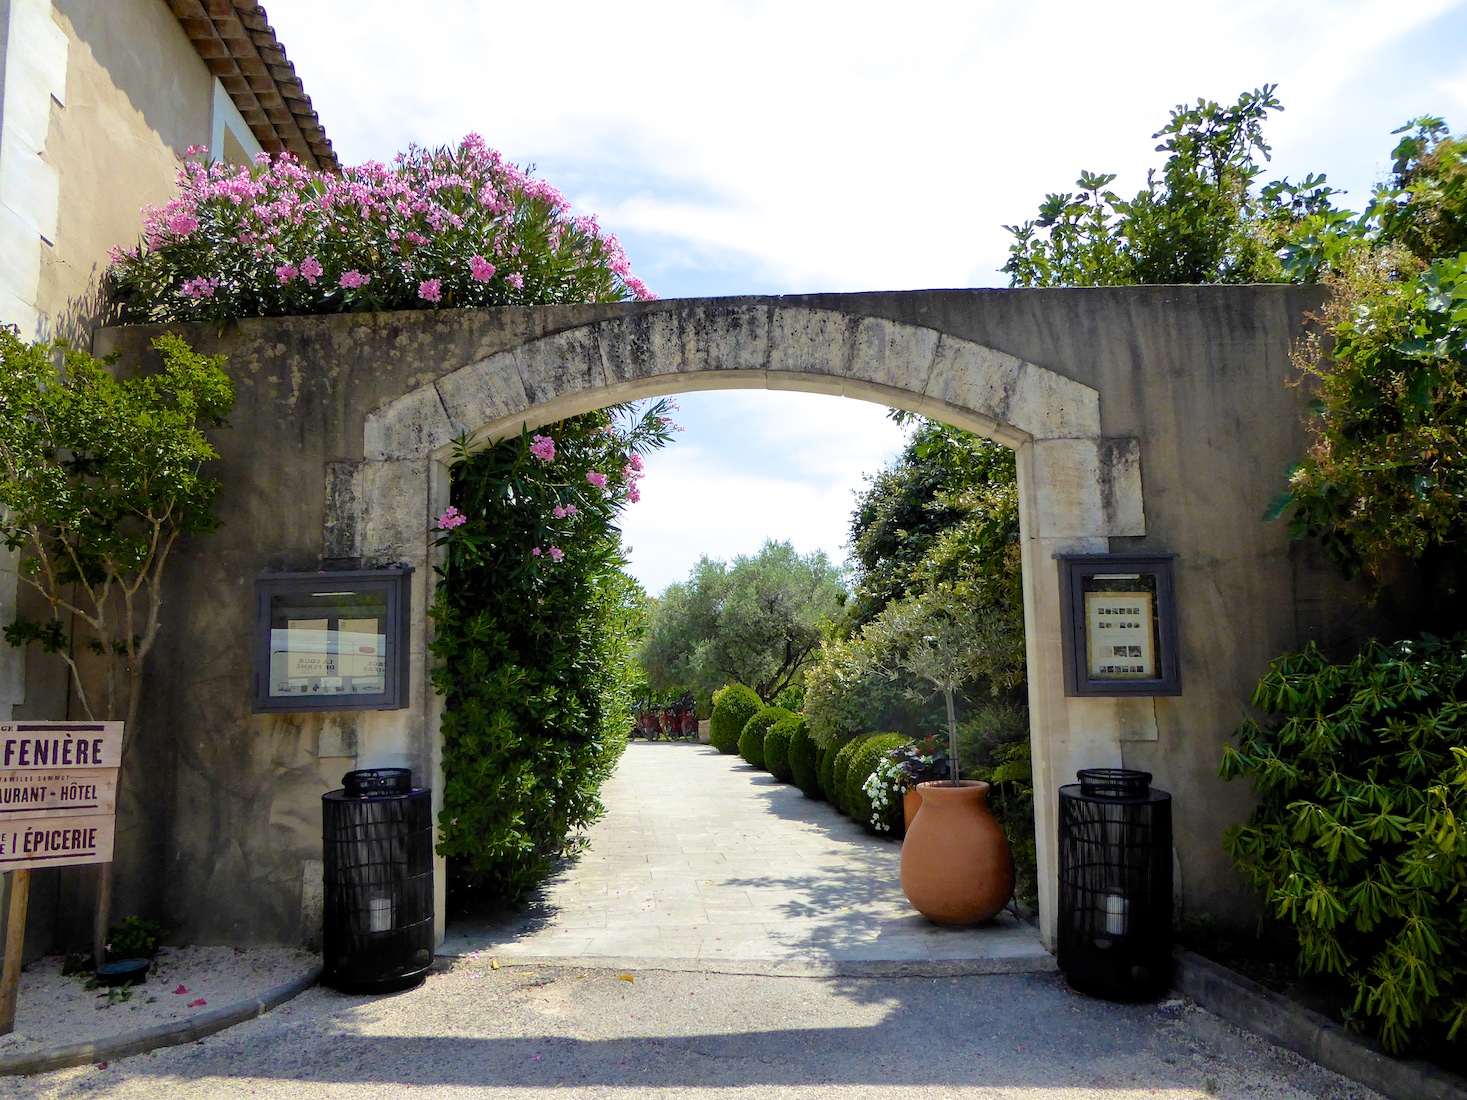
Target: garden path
{"type": "Point", "coordinates": [703, 863]}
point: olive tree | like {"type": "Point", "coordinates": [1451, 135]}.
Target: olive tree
{"type": "Point", "coordinates": [99, 479]}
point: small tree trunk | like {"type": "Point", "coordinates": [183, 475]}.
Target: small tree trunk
{"type": "Point", "coordinates": [952, 735]}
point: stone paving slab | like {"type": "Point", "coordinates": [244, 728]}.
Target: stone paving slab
{"type": "Point", "coordinates": [704, 863]}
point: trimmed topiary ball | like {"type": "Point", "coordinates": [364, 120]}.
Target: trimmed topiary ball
{"type": "Point", "coordinates": [825, 770]}
{"type": "Point", "coordinates": [804, 760]}
{"type": "Point", "coordinates": [777, 747]}
{"type": "Point", "coordinates": [864, 759]}
{"type": "Point", "coordinates": [841, 769]}
{"type": "Point", "coordinates": [751, 740]}
{"type": "Point", "coordinates": [733, 706]}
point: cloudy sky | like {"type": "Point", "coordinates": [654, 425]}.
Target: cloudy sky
{"type": "Point", "coordinates": [766, 148]}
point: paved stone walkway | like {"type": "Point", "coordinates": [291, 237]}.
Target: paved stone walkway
{"type": "Point", "coordinates": [703, 863]}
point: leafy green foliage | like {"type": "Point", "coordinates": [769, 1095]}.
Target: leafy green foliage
{"type": "Point", "coordinates": [134, 938]}
{"type": "Point", "coordinates": [733, 706]}
{"type": "Point", "coordinates": [1385, 472]}
{"type": "Point", "coordinates": [1200, 221]}
{"type": "Point", "coordinates": [99, 478]}
{"type": "Point", "coordinates": [856, 802]}
{"type": "Point", "coordinates": [804, 758]}
{"type": "Point", "coordinates": [756, 622]}
{"type": "Point", "coordinates": [534, 649]}
{"type": "Point", "coordinates": [1358, 839]}
{"type": "Point", "coordinates": [751, 738]}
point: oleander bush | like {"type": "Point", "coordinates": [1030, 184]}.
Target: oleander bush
{"type": "Point", "coordinates": [804, 759]}
{"type": "Point", "coordinates": [777, 747]}
{"type": "Point", "coordinates": [751, 740]}
{"type": "Point", "coordinates": [868, 753]}
{"type": "Point", "coordinates": [1357, 841]}
{"type": "Point", "coordinates": [733, 706]}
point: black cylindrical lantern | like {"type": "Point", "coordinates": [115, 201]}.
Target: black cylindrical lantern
{"type": "Point", "coordinates": [377, 834]}
{"type": "Point", "coordinates": [1115, 884]}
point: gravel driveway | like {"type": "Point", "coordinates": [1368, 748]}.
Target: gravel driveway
{"type": "Point", "coordinates": [532, 1031]}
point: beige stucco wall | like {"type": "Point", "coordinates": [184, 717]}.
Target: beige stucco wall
{"type": "Point", "coordinates": [137, 96]}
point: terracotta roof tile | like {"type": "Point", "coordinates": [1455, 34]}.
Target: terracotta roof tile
{"type": "Point", "coordinates": [235, 40]}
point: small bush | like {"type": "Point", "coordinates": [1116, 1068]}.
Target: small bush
{"type": "Point", "coordinates": [867, 753]}
{"type": "Point", "coordinates": [841, 768]}
{"type": "Point", "coordinates": [134, 938]}
{"type": "Point", "coordinates": [804, 760]}
{"type": "Point", "coordinates": [1361, 775]}
{"type": "Point", "coordinates": [751, 740]}
{"type": "Point", "coordinates": [733, 706]}
{"type": "Point", "coordinates": [777, 747]}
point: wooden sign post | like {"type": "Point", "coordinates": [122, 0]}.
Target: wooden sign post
{"type": "Point", "coordinates": [58, 808]}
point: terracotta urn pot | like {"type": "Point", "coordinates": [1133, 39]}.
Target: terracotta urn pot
{"type": "Point", "coordinates": [956, 865]}
{"type": "Point", "coordinates": [911, 803]}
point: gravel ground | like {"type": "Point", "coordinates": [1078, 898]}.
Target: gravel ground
{"type": "Point", "coordinates": [527, 1032]}
{"type": "Point", "coordinates": [52, 1009]}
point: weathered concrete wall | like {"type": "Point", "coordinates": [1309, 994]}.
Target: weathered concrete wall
{"type": "Point", "coordinates": [1196, 376]}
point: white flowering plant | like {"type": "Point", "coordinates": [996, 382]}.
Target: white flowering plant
{"type": "Point", "coordinates": [885, 787]}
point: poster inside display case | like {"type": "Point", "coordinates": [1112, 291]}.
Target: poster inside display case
{"type": "Point", "coordinates": [331, 641]}
{"type": "Point", "coordinates": [1119, 625]}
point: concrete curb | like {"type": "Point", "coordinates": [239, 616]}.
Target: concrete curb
{"type": "Point", "coordinates": [1249, 1005]}
{"type": "Point", "coordinates": [769, 968]}
{"type": "Point", "coordinates": [165, 1035]}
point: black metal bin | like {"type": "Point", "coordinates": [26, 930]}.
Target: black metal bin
{"type": "Point", "coordinates": [1115, 884]}
{"type": "Point", "coordinates": [377, 835]}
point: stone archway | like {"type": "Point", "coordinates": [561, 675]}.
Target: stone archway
{"type": "Point", "coordinates": [1077, 488]}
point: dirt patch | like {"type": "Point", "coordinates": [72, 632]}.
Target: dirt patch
{"type": "Point", "coordinates": [53, 1010]}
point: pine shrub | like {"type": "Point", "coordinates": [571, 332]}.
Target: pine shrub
{"type": "Point", "coordinates": [777, 747]}
{"type": "Point", "coordinates": [804, 759]}
{"type": "Point", "coordinates": [733, 706]}
{"type": "Point", "coordinates": [751, 740]}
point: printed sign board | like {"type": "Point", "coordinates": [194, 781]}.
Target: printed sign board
{"type": "Point", "coordinates": [61, 840]}
{"type": "Point", "coordinates": [58, 792]}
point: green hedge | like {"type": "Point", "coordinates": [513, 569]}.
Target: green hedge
{"type": "Point", "coordinates": [825, 769]}
{"type": "Point", "coordinates": [863, 762]}
{"type": "Point", "coordinates": [804, 760]}
{"type": "Point", "coordinates": [751, 740]}
{"type": "Point", "coordinates": [777, 747]}
{"type": "Point", "coordinates": [733, 706]}
{"type": "Point", "coordinates": [841, 768]}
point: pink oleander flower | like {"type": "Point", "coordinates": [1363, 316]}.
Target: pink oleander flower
{"type": "Point", "coordinates": [311, 269]}
{"type": "Point", "coordinates": [202, 287]}
{"type": "Point", "coordinates": [543, 448]}
{"type": "Point", "coordinates": [634, 461]}
{"type": "Point", "coordinates": [286, 272]}
{"type": "Point", "coordinates": [535, 553]}
{"type": "Point", "coordinates": [633, 493]}
{"type": "Point", "coordinates": [451, 519]}
{"type": "Point", "coordinates": [556, 553]}
{"type": "Point", "coordinates": [354, 278]}
{"type": "Point", "coordinates": [481, 269]}
{"type": "Point", "coordinates": [182, 223]}
{"type": "Point", "coordinates": [560, 512]}
{"type": "Point", "coordinates": [516, 280]}
{"type": "Point", "coordinates": [430, 290]}
{"type": "Point", "coordinates": [597, 479]}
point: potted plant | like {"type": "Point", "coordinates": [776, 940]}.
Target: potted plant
{"type": "Point", "coordinates": [956, 865]}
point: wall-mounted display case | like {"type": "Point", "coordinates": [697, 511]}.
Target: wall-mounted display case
{"type": "Point", "coordinates": [332, 641]}
{"type": "Point", "coordinates": [1118, 618]}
